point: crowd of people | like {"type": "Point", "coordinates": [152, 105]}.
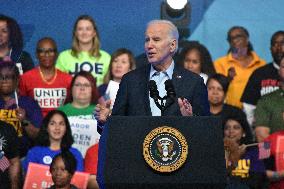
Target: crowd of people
{"type": "Point", "coordinates": [52, 113]}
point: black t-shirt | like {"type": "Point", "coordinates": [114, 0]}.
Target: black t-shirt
{"type": "Point", "coordinates": [8, 148]}
{"type": "Point", "coordinates": [229, 111]}
{"type": "Point", "coordinates": [263, 80]}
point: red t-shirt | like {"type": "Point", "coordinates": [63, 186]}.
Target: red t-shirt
{"type": "Point", "coordinates": [91, 159]}
{"type": "Point", "coordinates": [277, 151]}
{"type": "Point", "coordinates": [49, 95]}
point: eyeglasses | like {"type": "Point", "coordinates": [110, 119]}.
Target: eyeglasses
{"type": "Point", "coordinates": [43, 52]}
{"type": "Point", "coordinates": [82, 85]}
{"type": "Point", "coordinates": [7, 77]}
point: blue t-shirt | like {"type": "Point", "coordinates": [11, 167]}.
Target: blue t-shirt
{"type": "Point", "coordinates": [44, 155]}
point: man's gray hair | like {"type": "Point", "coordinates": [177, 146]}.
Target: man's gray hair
{"type": "Point", "coordinates": [173, 32]}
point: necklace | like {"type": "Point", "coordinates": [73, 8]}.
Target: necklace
{"type": "Point", "coordinates": [51, 80]}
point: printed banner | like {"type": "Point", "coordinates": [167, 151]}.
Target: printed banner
{"type": "Point", "coordinates": [84, 131]}
{"type": "Point", "coordinates": [39, 177]}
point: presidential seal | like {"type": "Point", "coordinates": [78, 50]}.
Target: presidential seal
{"type": "Point", "coordinates": [165, 149]}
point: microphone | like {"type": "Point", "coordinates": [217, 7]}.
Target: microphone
{"type": "Point", "coordinates": [154, 93]}
{"type": "Point", "coordinates": [170, 89]}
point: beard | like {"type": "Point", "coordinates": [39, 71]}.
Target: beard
{"type": "Point", "coordinates": [277, 57]}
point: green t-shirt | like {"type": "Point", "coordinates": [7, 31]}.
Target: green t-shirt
{"type": "Point", "coordinates": [70, 110]}
{"type": "Point", "coordinates": [72, 65]}
{"type": "Point", "coordinates": [83, 126]}
{"type": "Point", "coordinates": [269, 111]}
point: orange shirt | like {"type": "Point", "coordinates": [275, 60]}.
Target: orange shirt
{"type": "Point", "coordinates": [239, 82]}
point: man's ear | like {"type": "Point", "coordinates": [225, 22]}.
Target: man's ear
{"type": "Point", "coordinates": [173, 45]}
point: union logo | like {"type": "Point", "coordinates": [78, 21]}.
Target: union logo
{"type": "Point", "coordinates": [165, 149]}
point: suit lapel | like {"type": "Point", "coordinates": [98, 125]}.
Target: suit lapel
{"type": "Point", "coordinates": [144, 82]}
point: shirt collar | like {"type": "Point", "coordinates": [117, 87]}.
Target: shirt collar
{"type": "Point", "coordinates": [275, 65]}
{"type": "Point", "coordinates": [168, 71]}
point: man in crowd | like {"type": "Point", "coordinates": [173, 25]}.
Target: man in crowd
{"type": "Point", "coordinates": [264, 80]}
{"type": "Point", "coordinates": [133, 99]}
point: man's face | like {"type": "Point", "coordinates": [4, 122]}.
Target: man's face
{"type": "Point", "coordinates": [159, 46]}
{"type": "Point", "coordinates": [277, 48]}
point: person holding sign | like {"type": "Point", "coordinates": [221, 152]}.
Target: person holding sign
{"type": "Point", "coordinates": [21, 112]}
{"type": "Point", "coordinates": [62, 169]}
{"type": "Point", "coordinates": [79, 109]}
{"type": "Point", "coordinates": [54, 136]}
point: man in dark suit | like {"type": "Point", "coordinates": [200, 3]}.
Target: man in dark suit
{"type": "Point", "coordinates": [133, 99]}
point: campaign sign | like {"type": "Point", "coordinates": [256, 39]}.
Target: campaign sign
{"type": "Point", "coordinates": [39, 177]}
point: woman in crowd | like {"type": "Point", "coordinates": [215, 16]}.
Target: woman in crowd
{"type": "Point", "coordinates": [238, 64]}
{"type": "Point", "coordinates": [62, 169]}
{"type": "Point", "coordinates": [245, 170]}
{"type": "Point", "coordinates": [122, 61]}
{"type": "Point", "coordinates": [54, 136]}
{"type": "Point", "coordinates": [50, 85]}
{"type": "Point", "coordinates": [217, 87]}
{"type": "Point", "coordinates": [85, 53]}
{"type": "Point", "coordinates": [196, 58]}
{"type": "Point", "coordinates": [22, 112]}
{"type": "Point", "coordinates": [11, 44]}
{"type": "Point", "coordinates": [79, 108]}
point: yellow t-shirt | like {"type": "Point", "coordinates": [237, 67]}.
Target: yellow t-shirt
{"type": "Point", "coordinates": [239, 82]}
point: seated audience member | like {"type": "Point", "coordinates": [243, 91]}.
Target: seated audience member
{"type": "Point", "coordinates": [50, 85]}
{"type": "Point", "coordinates": [238, 64]}
{"type": "Point", "coordinates": [217, 86]}
{"type": "Point", "coordinates": [9, 158]}
{"type": "Point", "coordinates": [245, 170]}
{"type": "Point", "coordinates": [11, 45]}
{"type": "Point", "coordinates": [85, 54]}
{"type": "Point", "coordinates": [264, 80]}
{"type": "Point", "coordinates": [79, 108]}
{"type": "Point", "coordinates": [62, 169]}
{"type": "Point", "coordinates": [122, 61]}
{"type": "Point", "coordinates": [274, 164]}
{"type": "Point", "coordinates": [22, 112]}
{"type": "Point", "coordinates": [196, 58]}
{"type": "Point", "coordinates": [54, 136]}
{"type": "Point", "coordinates": [269, 110]}
{"type": "Point", "coordinates": [91, 163]}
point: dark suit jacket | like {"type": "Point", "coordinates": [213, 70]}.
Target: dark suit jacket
{"type": "Point", "coordinates": [133, 95]}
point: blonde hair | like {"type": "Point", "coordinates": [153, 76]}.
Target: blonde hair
{"type": "Point", "coordinates": [95, 49]}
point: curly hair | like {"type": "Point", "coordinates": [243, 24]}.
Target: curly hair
{"type": "Point", "coordinates": [10, 65]}
{"type": "Point", "coordinates": [248, 138]}
{"type": "Point", "coordinates": [205, 57]}
{"type": "Point", "coordinates": [43, 137]}
{"type": "Point", "coordinates": [15, 33]}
